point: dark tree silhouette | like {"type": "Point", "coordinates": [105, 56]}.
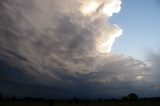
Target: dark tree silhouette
{"type": "Point", "coordinates": [125, 98]}
{"type": "Point", "coordinates": [76, 99]}
{"type": "Point", "coordinates": [132, 96]}
{"type": "Point", "coordinates": [0, 96]}
{"type": "Point", "coordinates": [13, 98]}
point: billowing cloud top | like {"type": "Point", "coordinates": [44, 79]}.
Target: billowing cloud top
{"type": "Point", "coordinates": [63, 47]}
{"type": "Point", "coordinates": [101, 10]}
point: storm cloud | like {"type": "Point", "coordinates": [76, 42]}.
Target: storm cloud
{"type": "Point", "coordinates": [63, 48]}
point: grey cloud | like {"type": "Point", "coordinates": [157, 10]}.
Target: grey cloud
{"type": "Point", "coordinates": [53, 47]}
{"type": "Point", "coordinates": [154, 61]}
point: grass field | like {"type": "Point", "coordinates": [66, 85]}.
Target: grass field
{"type": "Point", "coordinates": [105, 103]}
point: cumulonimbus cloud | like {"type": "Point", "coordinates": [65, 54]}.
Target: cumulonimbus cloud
{"type": "Point", "coordinates": [65, 41]}
{"type": "Point", "coordinates": [44, 34]}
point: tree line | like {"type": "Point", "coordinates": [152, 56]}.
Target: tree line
{"type": "Point", "coordinates": [129, 97]}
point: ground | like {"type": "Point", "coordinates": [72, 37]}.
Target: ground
{"type": "Point", "coordinates": [86, 103]}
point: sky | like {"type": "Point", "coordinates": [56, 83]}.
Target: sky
{"type": "Point", "coordinates": [139, 20]}
{"type": "Point", "coordinates": [82, 48]}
